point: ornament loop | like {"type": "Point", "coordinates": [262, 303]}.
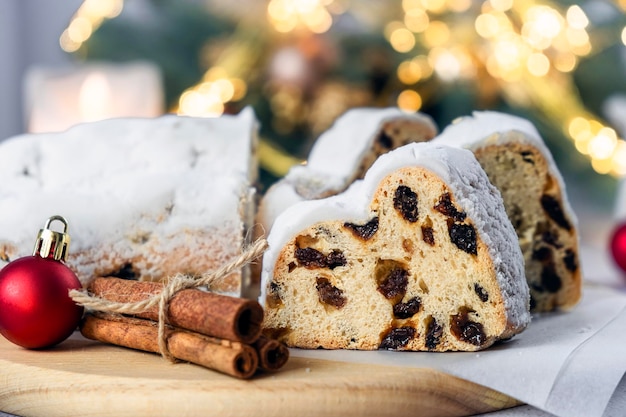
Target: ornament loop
{"type": "Point", "coordinates": [52, 244]}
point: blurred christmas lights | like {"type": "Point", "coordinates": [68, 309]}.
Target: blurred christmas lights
{"type": "Point", "coordinates": [86, 20]}
{"type": "Point", "coordinates": [516, 43]}
{"type": "Point", "coordinates": [315, 15]}
{"type": "Point", "coordinates": [524, 46]}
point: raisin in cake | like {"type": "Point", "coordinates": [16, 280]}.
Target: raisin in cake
{"type": "Point", "coordinates": [144, 198]}
{"type": "Point", "coordinates": [343, 154]}
{"type": "Point", "coordinates": [519, 164]}
{"type": "Point", "coordinates": [419, 255]}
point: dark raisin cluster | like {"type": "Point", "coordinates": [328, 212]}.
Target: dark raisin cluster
{"type": "Point", "coordinates": [445, 207]}
{"type": "Point", "coordinates": [397, 338]}
{"type": "Point", "coordinates": [408, 309]}
{"type": "Point", "coordinates": [405, 202]}
{"type": "Point", "coordinates": [481, 292]}
{"type": "Point", "coordinates": [434, 331]}
{"type": "Point", "coordinates": [550, 279]}
{"type": "Point", "coordinates": [553, 208]}
{"type": "Point", "coordinates": [467, 330]}
{"type": "Point", "coordinates": [329, 294]}
{"type": "Point", "coordinates": [365, 231]}
{"type": "Point", "coordinates": [394, 285]}
{"type": "Point", "coordinates": [428, 236]}
{"type": "Point", "coordinates": [312, 258]}
{"type": "Point", "coordinates": [461, 234]}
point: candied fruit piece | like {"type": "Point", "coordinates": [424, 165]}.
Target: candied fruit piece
{"type": "Point", "coordinates": [312, 258]}
{"type": "Point", "coordinates": [394, 285]}
{"type": "Point", "coordinates": [405, 201]}
{"type": "Point", "coordinates": [553, 209]}
{"type": "Point", "coordinates": [274, 299]}
{"type": "Point", "coordinates": [542, 254]}
{"type": "Point", "coordinates": [408, 309]}
{"type": "Point", "coordinates": [467, 330]}
{"type": "Point", "coordinates": [329, 294]}
{"type": "Point", "coordinates": [445, 207]}
{"type": "Point", "coordinates": [571, 260]}
{"type": "Point", "coordinates": [481, 292]}
{"type": "Point", "coordinates": [464, 237]}
{"type": "Point", "coordinates": [550, 280]}
{"type": "Point", "coordinates": [335, 258]}
{"type": "Point", "coordinates": [407, 245]}
{"type": "Point", "coordinates": [428, 235]}
{"type": "Point", "coordinates": [527, 156]}
{"type": "Point", "coordinates": [434, 331]}
{"type": "Point", "coordinates": [365, 231]}
{"type": "Point", "coordinates": [397, 338]}
{"type": "Point", "coordinates": [551, 237]}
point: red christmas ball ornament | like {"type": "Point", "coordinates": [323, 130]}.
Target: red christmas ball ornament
{"type": "Point", "coordinates": [618, 246]}
{"type": "Point", "coordinates": [36, 310]}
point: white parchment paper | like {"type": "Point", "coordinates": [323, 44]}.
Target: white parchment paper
{"type": "Point", "coordinates": [566, 363]}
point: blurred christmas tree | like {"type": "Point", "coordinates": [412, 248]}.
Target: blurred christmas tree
{"type": "Point", "coordinates": [301, 63]}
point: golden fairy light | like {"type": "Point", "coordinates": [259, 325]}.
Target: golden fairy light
{"type": "Point", "coordinates": [86, 20]}
{"type": "Point", "coordinates": [223, 82]}
{"type": "Point", "coordinates": [208, 98]}
{"type": "Point", "coordinates": [527, 47]}
{"type": "Point", "coordinates": [288, 15]}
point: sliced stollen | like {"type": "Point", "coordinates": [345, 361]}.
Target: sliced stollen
{"type": "Point", "coordinates": [419, 255]}
{"type": "Point", "coordinates": [520, 165]}
{"type": "Point", "coordinates": [343, 154]}
{"type": "Point", "coordinates": [144, 198]}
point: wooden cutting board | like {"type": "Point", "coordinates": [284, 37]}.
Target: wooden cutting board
{"type": "Point", "coordinates": [81, 377]}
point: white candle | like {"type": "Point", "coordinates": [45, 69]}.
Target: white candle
{"type": "Point", "coordinates": [56, 99]}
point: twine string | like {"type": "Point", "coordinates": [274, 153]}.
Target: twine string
{"type": "Point", "coordinates": [178, 283]}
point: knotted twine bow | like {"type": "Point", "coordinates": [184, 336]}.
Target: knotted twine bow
{"type": "Point", "coordinates": [178, 283]}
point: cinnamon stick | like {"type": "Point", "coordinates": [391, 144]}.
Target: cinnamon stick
{"type": "Point", "coordinates": [231, 358]}
{"type": "Point", "coordinates": [272, 354]}
{"type": "Point", "coordinates": [208, 313]}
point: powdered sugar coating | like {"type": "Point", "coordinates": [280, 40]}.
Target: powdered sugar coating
{"type": "Point", "coordinates": [338, 152]}
{"type": "Point", "coordinates": [484, 128]}
{"type": "Point", "coordinates": [334, 159]}
{"type": "Point", "coordinates": [132, 188]}
{"type": "Point", "coordinates": [471, 189]}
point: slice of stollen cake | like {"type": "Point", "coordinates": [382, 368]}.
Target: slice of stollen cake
{"type": "Point", "coordinates": [521, 166]}
{"type": "Point", "coordinates": [419, 255]}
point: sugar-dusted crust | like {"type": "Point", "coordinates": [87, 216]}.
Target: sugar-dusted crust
{"type": "Point", "coordinates": [519, 164]}
{"type": "Point", "coordinates": [417, 256]}
{"type": "Point", "coordinates": [343, 154]}
{"type": "Point", "coordinates": [144, 198]}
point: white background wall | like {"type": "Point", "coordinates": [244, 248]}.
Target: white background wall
{"type": "Point", "coordinates": [29, 35]}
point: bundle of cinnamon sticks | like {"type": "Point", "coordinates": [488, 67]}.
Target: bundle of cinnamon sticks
{"type": "Point", "coordinates": [216, 331]}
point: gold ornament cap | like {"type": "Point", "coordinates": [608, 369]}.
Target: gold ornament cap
{"type": "Point", "coordinates": [52, 244]}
